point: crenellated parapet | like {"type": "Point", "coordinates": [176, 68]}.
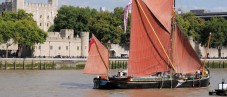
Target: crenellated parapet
{"type": "Point", "coordinates": [43, 13]}
{"type": "Point", "coordinates": [37, 4]}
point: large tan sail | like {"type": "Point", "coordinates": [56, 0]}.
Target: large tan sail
{"type": "Point", "coordinates": [146, 55]}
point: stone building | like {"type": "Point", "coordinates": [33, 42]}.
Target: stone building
{"type": "Point", "coordinates": [43, 14]}
{"type": "Point", "coordinates": [63, 44]}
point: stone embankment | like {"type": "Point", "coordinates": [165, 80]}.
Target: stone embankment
{"type": "Point", "coordinates": [75, 63]}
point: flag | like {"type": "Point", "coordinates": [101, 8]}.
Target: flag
{"type": "Point", "coordinates": [92, 41]}
{"type": "Point", "coordinates": [126, 9]}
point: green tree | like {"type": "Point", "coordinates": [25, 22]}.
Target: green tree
{"type": "Point", "coordinates": [6, 30]}
{"type": "Point", "coordinates": [76, 18]}
{"type": "Point", "coordinates": [107, 26]}
{"type": "Point", "coordinates": [15, 16]}
{"type": "Point", "coordinates": [191, 26]}
{"type": "Point", "coordinates": [218, 27]}
{"type": "Point", "coordinates": [28, 34]}
{"type": "Point", "coordinates": [20, 27]}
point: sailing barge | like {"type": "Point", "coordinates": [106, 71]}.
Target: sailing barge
{"type": "Point", "coordinates": [160, 55]}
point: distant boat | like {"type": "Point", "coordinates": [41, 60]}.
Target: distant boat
{"type": "Point", "coordinates": [160, 55]}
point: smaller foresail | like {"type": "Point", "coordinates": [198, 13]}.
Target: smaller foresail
{"type": "Point", "coordinates": [98, 58]}
{"type": "Point", "coordinates": [184, 57]}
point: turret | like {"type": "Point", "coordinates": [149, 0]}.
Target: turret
{"type": "Point", "coordinates": [17, 4]}
{"type": "Point", "coordinates": [84, 43]}
{"type": "Point", "coordinates": [8, 0]}
{"type": "Point", "coordinates": [54, 3]}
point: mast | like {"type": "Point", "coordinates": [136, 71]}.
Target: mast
{"type": "Point", "coordinates": [173, 30]}
{"type": "Point", "coordinates": [184, 56]}
{"type": "Point", "coordinates": [207, 48]}
{"type": "Point", "coordinates": [150, 37]}
{"type": "Point", "coordinates": [155, 34]}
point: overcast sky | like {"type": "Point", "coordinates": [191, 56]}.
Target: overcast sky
{"type": "Point", "coordinates": [212, 5]}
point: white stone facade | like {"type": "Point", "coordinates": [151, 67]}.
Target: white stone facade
{"type": "Point", "coordinates": [212, 52]}
{"type": "Point", "coordinates": [118, 51]}
{"type": "Point", "coordinates": [63, 44]}
{"type": "Point", "coordinates": [43, 14]}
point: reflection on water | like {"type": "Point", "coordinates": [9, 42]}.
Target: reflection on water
{"type": "Point", "coordinates": [78, 85]}
{"type": "Point", "coordinates": [72, 83]}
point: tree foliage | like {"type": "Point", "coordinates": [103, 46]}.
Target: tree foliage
{"type": "Point", "coordinates": [191, 25]}
{"type": "Point", "coordinates": [217, 26]}
{"type": "Point", "coordinates": [200, 30]}
{"type": "Point", "coordinates": [76, 18]}
{"type": "Point", "coordinates": [107, 26]}
{"type": "Point", "coordinates": [20, 27]}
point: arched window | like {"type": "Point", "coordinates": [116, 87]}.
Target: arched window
{"type": "Point", "coordinates": [67, 48]}
{"type": "Point", "coordinates": [78, 48]}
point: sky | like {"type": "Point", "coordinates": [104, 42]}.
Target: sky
{"type": "Point", "coordinates": [185, 5]}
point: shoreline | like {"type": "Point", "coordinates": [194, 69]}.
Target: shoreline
{"type": "Point", "coordinates": [75, 63]}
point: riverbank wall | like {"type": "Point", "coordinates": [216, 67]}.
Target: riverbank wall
{"type": "Point", "coordinates": [76, 63]}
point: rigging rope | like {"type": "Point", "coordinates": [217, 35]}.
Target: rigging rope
{"type": "Point", "coordinates": [107, 67]}
{"type": "Point", "coordinates": [156, 36]}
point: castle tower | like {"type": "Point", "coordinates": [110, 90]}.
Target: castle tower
{"type": "Point", "coordinates": [17, 4]}
{"type": "Point", "coordinates": [54, 3]}
{"type": "Point", "coordinates": [84, 43]}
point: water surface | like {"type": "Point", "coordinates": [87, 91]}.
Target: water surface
{"type": "Point", "coordinates": [72, 83]}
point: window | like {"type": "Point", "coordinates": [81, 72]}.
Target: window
{"type": "Point", "coordinates": [59, 47]}
{"type": "Point", "coordinates": [67, 48]}
{"type": "Point", "coordinates": [78, 48]}
{"type": "Point", "coordinates": [40, 47]}
{"type": "Point", "coordinates": [40, 16]}
{"type": "Point", "coordinates": [48, 17]}
{"type": "Point", "coordinates": [40, 24]}
{"type": "Point", "coordinates": [47, 24]}
{"type": "Point", "coordinates": [51, 47]}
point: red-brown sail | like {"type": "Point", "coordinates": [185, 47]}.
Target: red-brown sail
{"type": "Point", "coordinates": [162, 10]}
{"type": "Point", "coordinates": [146, 54]}
{"type": "Point", "coordinates": [98, 58]}
{"type": "Point", "coordinates": [185, 58]}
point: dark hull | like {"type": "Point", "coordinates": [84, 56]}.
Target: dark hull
{"type": "Point", "coordinates": [126, 84]}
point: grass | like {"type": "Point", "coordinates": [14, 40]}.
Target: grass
{"type": "Point", "coordinates": [213, 64]}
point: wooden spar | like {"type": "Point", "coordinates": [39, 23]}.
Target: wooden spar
{"type": "Point", "coordinates": [173, 24]}
{"type": "Point", "coordinates": [207, 48]}
{"type": "Point", "coordinates": [172, 38]}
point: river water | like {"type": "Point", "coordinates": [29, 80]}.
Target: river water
{"type": "Point", "coordinates": [72, 83]}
